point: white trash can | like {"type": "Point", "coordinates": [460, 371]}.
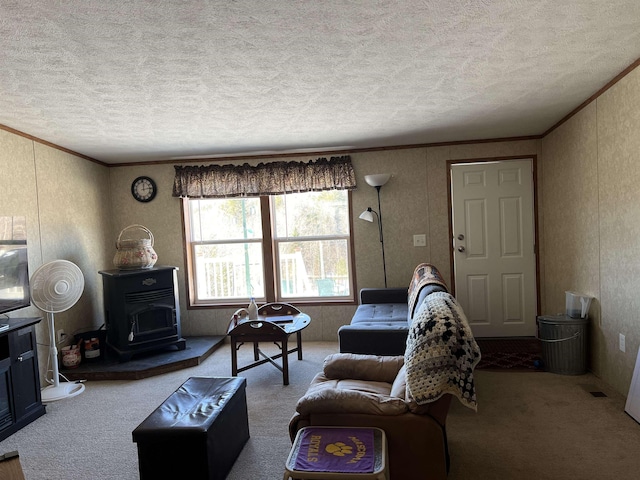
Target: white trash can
{"type": "Point", "coordinates": [564, 343]}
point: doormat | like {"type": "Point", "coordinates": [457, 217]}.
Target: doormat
{"type": "Point", "coordinates": [512, 353]}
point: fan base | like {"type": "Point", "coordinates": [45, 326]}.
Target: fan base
{"type": "Point", "coordinates": [53, 393]}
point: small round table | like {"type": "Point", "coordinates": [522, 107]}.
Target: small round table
{"type": "Point", "coordinates": [275, 323]}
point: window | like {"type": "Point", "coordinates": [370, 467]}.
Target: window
{"type": "Point", "coordinates": [226, 249]}
{"type": "Point", "coordinates": [293, 248]}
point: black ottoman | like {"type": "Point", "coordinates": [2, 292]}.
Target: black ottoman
{"type": "Point", "coordinates": [198, 431]}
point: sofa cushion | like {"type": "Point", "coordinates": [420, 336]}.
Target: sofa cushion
{"type": "Point", "coordinates": [363, 367]}
{"type": "Point", "coordinates": [374, 338]}
{"type": "Point", "coordinates": [381, 312]}
{"type": "Point", "coordinates": [349, 396]}
{"type": "Point", "coordinates": [383, 295]}
{"type": "Point", "coordinates": [399, 385]}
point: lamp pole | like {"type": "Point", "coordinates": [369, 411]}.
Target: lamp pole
{"type": "Point", "coordinates": [377, 181]}
{"type": "Point", "coordinates": [379, 214]}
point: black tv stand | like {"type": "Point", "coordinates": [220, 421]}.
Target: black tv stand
{"type": "Point", "coordinates": [20, 400]}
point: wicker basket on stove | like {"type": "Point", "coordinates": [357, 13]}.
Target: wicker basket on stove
{"type": "Point", "coordinates": [134, 253]}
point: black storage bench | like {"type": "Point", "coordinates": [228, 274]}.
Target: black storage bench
{"type": "Point", "coordinates": [198, 431]}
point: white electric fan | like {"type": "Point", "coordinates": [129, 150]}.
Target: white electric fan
{"type": "Point", "coordinates": [55, 287]}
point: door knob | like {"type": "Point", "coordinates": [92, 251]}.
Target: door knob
{"type": "Point", "coordinates": [461, 249]}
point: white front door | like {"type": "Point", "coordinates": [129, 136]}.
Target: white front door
{"type": "Point", "coordinates": [494, 246]}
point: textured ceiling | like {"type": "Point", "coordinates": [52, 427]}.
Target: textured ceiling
{"type": "Point", "coordinates": [136, 80]}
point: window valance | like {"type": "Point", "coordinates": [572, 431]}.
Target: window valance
{"type": "Point", "coordinates": [275, 178]}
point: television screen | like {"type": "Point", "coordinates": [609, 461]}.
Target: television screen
{"type": "Point", "coordinates": [14, 264]}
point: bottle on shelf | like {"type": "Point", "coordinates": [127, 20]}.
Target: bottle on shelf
{"type": "Point", "coordinates": [253, 309]}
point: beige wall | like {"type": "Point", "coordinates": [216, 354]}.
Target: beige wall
{"type": "Point", "coordinates": [589, 217]}
{"type": "Point", "coordinates": [414, 201]}
{"type": "Point", "coordinates": [66, 202]}
{"type": "Point", "coordinates": [591, 200]}
{"type": "Point", "coordinates": [618, 124]}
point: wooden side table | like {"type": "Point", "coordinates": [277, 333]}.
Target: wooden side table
{"type": "Point", "coordinates": [344, 453]}
{"type": "Point", "coordinates": [275, 323]}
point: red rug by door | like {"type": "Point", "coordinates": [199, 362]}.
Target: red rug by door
{"type": "Point", "coordinates": [521, 353]}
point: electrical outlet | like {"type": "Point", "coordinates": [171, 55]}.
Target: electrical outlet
{"type": "Point", "coordinates": [621, 343]}
{"type": "Point", "coordinates": [60, 335]}
{"type": "Point", "coordinates": [420, 240]}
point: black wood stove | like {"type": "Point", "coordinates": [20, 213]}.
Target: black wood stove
{"type": "Point", "coordinates": [142, 311]}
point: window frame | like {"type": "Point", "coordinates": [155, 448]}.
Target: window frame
{"type": "Point", "coordinates": [270, 257]}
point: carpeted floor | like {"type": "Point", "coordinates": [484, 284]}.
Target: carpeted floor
{"type": "Point", "coordinates": [527, 427]}
{"type": "Point", "coordinates": [523, 353]}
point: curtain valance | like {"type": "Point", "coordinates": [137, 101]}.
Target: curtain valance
{"type": "Point", "coordinates": [219, 181]}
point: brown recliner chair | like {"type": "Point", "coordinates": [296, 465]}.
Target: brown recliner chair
{"type": "Point", "coordinates": [369, 390]}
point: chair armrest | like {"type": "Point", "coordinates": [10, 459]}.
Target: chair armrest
{"type": "Point", "coordinates": [384, 295]}
{"type": "Point", "coordinates": [362, 367]}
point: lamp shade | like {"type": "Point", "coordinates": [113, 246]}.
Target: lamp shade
{"type": "Point", "coordinates": [366, 215]}
{"type": "Point", "coordinates": [378, 179]}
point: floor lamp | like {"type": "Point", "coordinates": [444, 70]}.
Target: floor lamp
{"type": "Point", "coordinates": [377, 181]}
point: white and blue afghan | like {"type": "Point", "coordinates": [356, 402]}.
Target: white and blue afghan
{"type": "Point", "coordinates": [441, 352]}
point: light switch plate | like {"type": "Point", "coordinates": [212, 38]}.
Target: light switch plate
{"type": "Point", "coordinates": [420, 240]}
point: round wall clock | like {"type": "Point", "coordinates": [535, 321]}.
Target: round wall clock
{"type": "Point", "coordinates": [144, 189]}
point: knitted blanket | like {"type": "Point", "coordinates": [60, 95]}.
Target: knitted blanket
{"type": "Point", "coordinates": [423, 275]}
{"type": "Point", "coordinates": [441, 352]}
